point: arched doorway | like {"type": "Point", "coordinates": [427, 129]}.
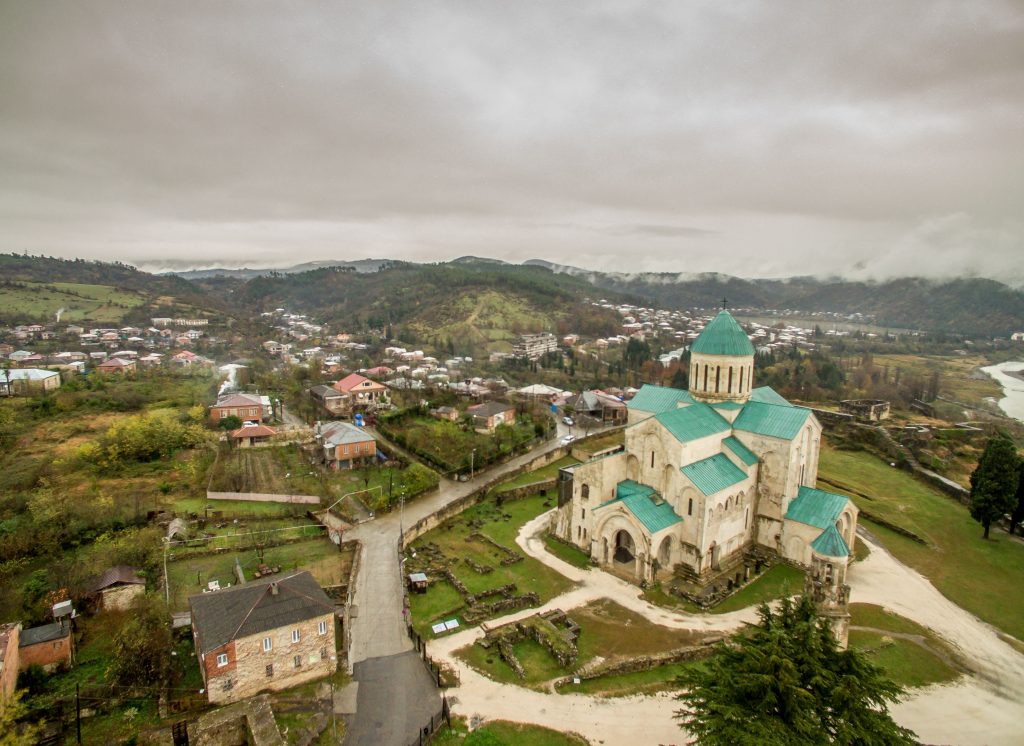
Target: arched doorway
{"type": "Point", "coordinates": [625, 550]}
{"type": "Point", "coordinates": [632, 467]}
{"type": "Point", "coordinates": [665, 553]}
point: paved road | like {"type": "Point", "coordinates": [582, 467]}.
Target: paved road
{"type": "Point", "coordinates": [378, 628]}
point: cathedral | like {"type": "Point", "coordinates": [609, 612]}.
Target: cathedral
{"type": "Point", "coordinates": [708, 477]}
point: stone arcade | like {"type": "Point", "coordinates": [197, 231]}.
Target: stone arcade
{"type": "Point", "coordinates": [709, 478]}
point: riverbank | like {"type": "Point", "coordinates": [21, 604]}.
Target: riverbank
{"type": "Point", "coordinates": [1010, 375]}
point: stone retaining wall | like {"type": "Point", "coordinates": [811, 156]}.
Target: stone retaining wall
{"type": "Point", "coordinates": [264, 497]}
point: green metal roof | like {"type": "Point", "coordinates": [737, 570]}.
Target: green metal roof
{"type": "Point", "coordinates": [774, 420]}
{"type": "Point", "coordinates": [742, 452]}
{"type": "Point", "coordinates": [646, 504]}
{"type": "Point", "coordinates": [657, 399]}
{"type": "Point", "coordinates": [768, 395]}
{"type": "Point", "coordinates": [713, 474]}
{"type": "Point", "coordinates": [831, 543]}
{"type": "Point", "coordinates": [723, 336]}
{"type": "Point", "coordinates": [693, 422]}
{"type": "Point", "coordinates": [816, 507]}
{"type": "Point", "coordinates": [726, 405]}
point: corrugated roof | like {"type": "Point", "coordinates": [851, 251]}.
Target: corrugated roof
{"type": "Point", "coordinates": [742, 452]}
{"type": "Point", "coordinates": [816, 507]}
{"type": "Point", "coordinates": [774, 420]}
{"type": "Point", "coordinates": [730, 405]}
{"type": "Point", "coordinates": [693, 422]}
{"type": "Point", "coordinates": [31, 374]}
{"type": "Point", "coordinates": [831, 543]}
{"type": "Point", "coordinates": [723, 336]}
{"type": "Point", "coordinates": [646, 504]}
{"type": "Point", "coordinates": [340, 433]}
{"type": "Point", "coordinates": [768, 395]}
{"type": "Point", "coordinates": [249, 609]}
{"type": "Point", "coordinates": [657, 399]}
{"type": "Point", "coordinates": [713, 474]}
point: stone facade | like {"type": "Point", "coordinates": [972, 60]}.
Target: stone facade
{"type": "Point", "coordinates": [9, 658]}
{"type": "Point", "coordinates": [250, 668]}
{"type": "Point", "coordinates": [120, 597]}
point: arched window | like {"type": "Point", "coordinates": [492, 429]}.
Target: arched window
{"type": "Point", "coordinates": [689, 508]}
{"type": "Point", "coordinates": [727, 503]}
{"type": "Point", "coordinates": [652, 459]}
{"type": "Point", "coordinates": [705, 377]}
{"type": "Point", "coordinates": [730, 380]}
{"type": "Point", "coordinates": [741, 379]}
{"type": "Point", "coordinates": [585, 491]}
{"type": "Point", "coordinates": [718, 378]}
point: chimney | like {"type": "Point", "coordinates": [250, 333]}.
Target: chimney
{"type": "Point", "coordinates": [273, 588]}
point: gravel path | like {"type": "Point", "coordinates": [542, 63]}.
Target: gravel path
{"type": "Point", "coordinates": [986, 709]}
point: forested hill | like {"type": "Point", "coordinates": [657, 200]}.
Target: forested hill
{"type": "Point", "coordinates": [486, 301]}
{"type": "Point", "coordinates": [971, 306]}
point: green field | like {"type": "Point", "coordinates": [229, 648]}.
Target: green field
{"type": "Point", "coordinates": [99, 303]}
{"type": "Point", "coordinates": [981, 576]}
{"type": "Point", "coordinates": [606, 630]}
{"type": "Point", "coordinates": [775, 582]}
{"type": "Point", "coordinates": [502, 733]}
{"type": "Point", "coordinates": [452, 539]}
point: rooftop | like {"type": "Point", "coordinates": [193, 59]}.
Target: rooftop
{"type": "Point", "coordinates": [723, 336]}
{"type": "Point", "coordinates": [658, 399]}
{"type": "Point", "coordinates": [773, 420]}
{"type": "Point", "coordinates": [645, 504]}
{"type": "Point", "coordinates": [693, 422]}
{"type": "Point", "coordinates": [816, 507]}
{"type": "Point", "coordinates": [831, 543]}
{"type": "Point", "coordinates": [713, 474]}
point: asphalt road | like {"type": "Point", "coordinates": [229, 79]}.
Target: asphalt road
{"type": "Point", "coordinates": [396, 698]}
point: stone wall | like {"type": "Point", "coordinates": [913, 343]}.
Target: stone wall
{"type": "Point", "coordinates": [644, 662]}
{"type": "Point", "coordinates": [121, 597]}
{"type": "Point", "coordinates": [264, 497]}
{"type": "Point", "coordinates": [247, 666]}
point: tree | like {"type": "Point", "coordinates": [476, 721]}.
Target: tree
{"type": "Point", "coordinates": [141, 648]}
{"type": "Point", "coordinates": [994, 482]}
{"type": "Point", "coordinates": [789, 684]}
{"type": "Point", "coordinates": [13, 733]}
{"type": "Point", "coordinates": [1018, 511]}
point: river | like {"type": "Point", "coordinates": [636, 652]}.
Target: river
{"type": "Point", "coordinates": [1013, 387]}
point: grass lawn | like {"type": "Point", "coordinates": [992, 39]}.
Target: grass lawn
{"type": "Point", "coordinates": [904, 662]}
{"type": "Point", "coordinates": [606, 630]}
{"type": "Point", "coordinates": [651, 681]}
{"type": "Point", "coordinates": [530, 477]}
{"type": "Point", "coordinates": [500, 524]}
{"type": "Point", "coordinates": [775, 582]}
{"type": "Point", "coordinates": [572, 555]}
{"type": "Point", "coordinates": [980, 576]}
{"type": "Point", "coordinates": [503, 733]}
{"type": "Point", "coordinates": [190, 575]}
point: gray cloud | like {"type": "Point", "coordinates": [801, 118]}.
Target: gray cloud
{"type": "Point", "coordinates": [788, 137]}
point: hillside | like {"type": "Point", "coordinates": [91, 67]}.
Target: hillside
{"type": "Point", "coordinates": [476, 305]}
{"type": "Point", "coordinates": [971, 306]}
{"type": "Point", "coordinates": [35, 288]}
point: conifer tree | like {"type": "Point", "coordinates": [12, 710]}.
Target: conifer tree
{"type": "Point", "coordinates": [994, 482]}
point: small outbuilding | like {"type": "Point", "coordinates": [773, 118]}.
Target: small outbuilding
{"type": "Point", "coordinates": [116, 588]}
{"type": "Point", "coordinates": [48, 646]}
{"type": "Point", "coordinates": [418, 582]}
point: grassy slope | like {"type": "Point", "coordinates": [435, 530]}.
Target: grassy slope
{"type": "Point", "coordinates": [502, 733]}
{"type": "Point", "coordinates": [981, 576]}
{"type": "Point", "coordinates": [100, 303]}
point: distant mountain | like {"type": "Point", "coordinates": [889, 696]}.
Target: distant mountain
{"type": "Point", "coordinates": [246, 273]}
{"type": "Point", "coordinates": [970, 306]}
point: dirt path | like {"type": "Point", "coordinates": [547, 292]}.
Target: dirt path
{"type": "Point", "coordinates": [985, 709]}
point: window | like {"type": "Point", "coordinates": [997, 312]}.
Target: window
{"type": "Point", "coordinates": [268, 644]}
{"type": "Point", "coordinates": [585, 491]}
{"type": "Point", "coordinates": [295, 635]}
{"type": "Point", "coordinates": [652, 459]}
{"type": "Point", "coordinates": [298, 661]}
{"type": "Point", "coordinates": [323, 653]}
{"type": "Point", "coordinates": [222, 659]}
{"type": "Point", "coordinates": [705, 377]}
{"type": "Point", "coordinates": [322, 628]}
{"type": "Point", "coordinates": [270, 670]}
{"type": "Point", "coordinates": [718, 377]}
{"type": "Point", "coordinates": [742, 370]}
{"type": "Point", "coordinates": [689, 509]}
{"type": "Point", "coordinates": [228, 685]}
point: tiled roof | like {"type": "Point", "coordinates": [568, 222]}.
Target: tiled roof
{"type": "Point", "coordinates": [490, 408]}
{"type": "Point", "coordinates": [768, 395]}
{"type": "Point", "coordinates": [742, 452]}
{"type": "Point", "coordinates": [352, 380]}
{"type": "Point", "coordinates": [831, 543]}
{"type": "Point", "coordinates": [774, 420]}
{"type": "Point", "coordinates": [713, 474]}
{"type": "Point", "coordinates": [693, 422]}
{"type": "Point", "coordinates": [646, 504]}
{"type": "Point", "coordinates": [816, 507]}
{"type": "Point", "coordinates": [253, 431]}
{"type": "Point", "coordinates": [231, 613]}
{"type": "Point", "coordinates": [657, 399]}
{"type": "Point", "coordinates": [723, 336]}
{"type": "Point", "coordinates": [238, 400]}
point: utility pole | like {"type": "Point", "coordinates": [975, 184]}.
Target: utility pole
{"type": "Point", "coordinates": [78, 714]}
{"type": "Point", "coordinates": [472, 460]}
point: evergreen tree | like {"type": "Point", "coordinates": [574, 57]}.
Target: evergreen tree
{"type": "Point", "coordinates": [789, 684]}
{"type": "Point", "coordinates": [1018, 510]}
{"type": "Point", "coordinates": [994, 482]}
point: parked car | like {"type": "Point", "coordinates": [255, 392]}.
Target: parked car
{"type": "Point", "coordinates": [568, 439]}
{"type": "Point", "coordinates": [568, 421]}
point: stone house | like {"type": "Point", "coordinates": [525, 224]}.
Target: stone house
{"type": "Point", "coordinates": [345, 446]}
{"type": "Point", "coordinates": [364, 392]}
{"type": "Point", "coordinates": [268, 634]}
{"type": "Point", "coordinates": [243, 406]}
{"type": "Point", "coordinates": [489, 415]}
{"type": "Point", "coordinates": [49, 646]}
{"type": "Point", "coordinates": [116, 588]}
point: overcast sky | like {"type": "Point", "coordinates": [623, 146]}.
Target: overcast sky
{"type": "Point", "coordinates": [867, 139]}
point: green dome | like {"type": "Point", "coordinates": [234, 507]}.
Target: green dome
{"type": "Point", "coordinates": [723, 336]}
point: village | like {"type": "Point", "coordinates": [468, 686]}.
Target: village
{"type": "Point", "coordinates": [258, 510]}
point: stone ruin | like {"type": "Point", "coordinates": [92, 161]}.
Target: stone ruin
{"type": "Point", "coordinates": [866, 410]}
{"type": "Point", "coordinates": [552, 630]}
